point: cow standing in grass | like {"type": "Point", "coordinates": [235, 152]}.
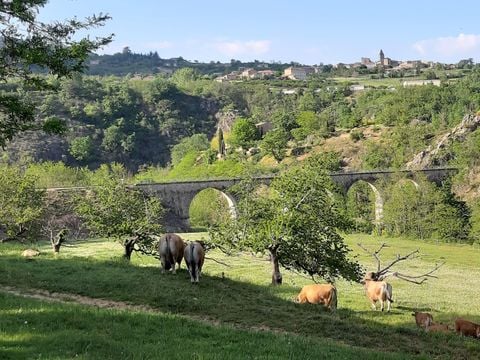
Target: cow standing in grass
{"type": "Point", "coordinates": [377, 291]}
{"type": "Point", "coordinates": [194, 258]}
{"type": "Point", "coordinates": [170, 250]}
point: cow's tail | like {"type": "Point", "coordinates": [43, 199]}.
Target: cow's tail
{"type": "Point", "coordinates": [388, 291]}
{"type": "Point", "coordinates": [333, 299]}
{"type": "Point", "coordinates": [192, 261]}
{"type": "Point", "coordinates": [169, 256]}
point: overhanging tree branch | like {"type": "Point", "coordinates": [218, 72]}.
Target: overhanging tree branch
{"type": "Point", "coordinates": [386, 271]}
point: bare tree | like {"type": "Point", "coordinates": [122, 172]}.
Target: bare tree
{"type": "Point", "coordinates": [58, 240]}
{"type": "Point", "coordinates": [383, 272]}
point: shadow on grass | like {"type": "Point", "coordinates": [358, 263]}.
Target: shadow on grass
{"type": "Point", "coordinates": [227, 301]}
{"type": "Point", "coordinates": [43, 330]}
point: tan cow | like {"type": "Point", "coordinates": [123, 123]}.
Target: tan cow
{"type": "Point", "coordinates": [467, 328]}
{"type": "Point", "coordinates": [434, 327]}
{"type": "Point", "coordinates": [325, 294]}
{"type": "Point", "coordinates": [377, 291]}
{"type": "Point", "coordinates": [170, 250]}
{"type": "Point", "coordinates": [423, 320]}
{"type": "Point", "coordinates": [194, 258]}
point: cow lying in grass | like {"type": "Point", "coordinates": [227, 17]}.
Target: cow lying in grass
{"type": "Point", "coordinates": [438, 327]}
{"type": "Point", "coordinates": [325, 294]}
{"type": "Point", "coordinates": [467, 328]}
{"type": "Point", "coordinates": [423, 320]}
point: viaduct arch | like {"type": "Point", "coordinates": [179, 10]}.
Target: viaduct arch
{"type": "Point", "coordinates": [177, 196]}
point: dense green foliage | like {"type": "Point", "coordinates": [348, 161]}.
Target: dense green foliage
{"type": "Point", "coordinates": [113, 210]}
{"type": "Point", "coordinates": [116, 119]}
{"type": "Point", "coordinates": [197, 142]}
{"type": "Point", "coordinates": [208, 208]}
{"type": "Point", "coordinates": [138, 121]}
{"type": "Point", "coordinates": [296, 222]}
{"type": "Point", "coordinates": [244, 133]}
{"type": "Point", "coordinates": [422, 210]}
{"type": "Point", "coordinates": [21, 203]}
{"type": "Point", "coordinates": [29, 44]}
{"type": "Point", "coordinates": [163, 129]}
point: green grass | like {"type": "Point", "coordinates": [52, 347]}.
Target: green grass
{"type": "Point", "coordinates": [239, 296]}
{"type": "Point", "coordinates": [34, 329]}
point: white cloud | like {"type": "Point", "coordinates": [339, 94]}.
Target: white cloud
{"type": "Point", "coordinates": [232, 48]}
{"type": "Point", "coordinates": [461, 45]}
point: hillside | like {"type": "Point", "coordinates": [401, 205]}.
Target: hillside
{"type": "Point", "coordinates": [138, 122]}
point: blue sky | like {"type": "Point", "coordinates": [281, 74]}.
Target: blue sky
{"type": "Point", "coordinates": [309, 32]}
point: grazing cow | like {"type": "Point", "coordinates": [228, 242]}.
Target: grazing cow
{"type": "Point", "coordinates": [170, 250]}
{"type": "Point", "coordinates": [467, 328]}
{"type": "Point", "coordinates": [194, 258]}
{"type": "Point", "coordinates": [325, 294]}
{"type": "Point", "coordinates": [434, 327]}
{"type": "Point", "coordinates": [423, 320]}
{"type": "Point", "coordinates": [378, 291]}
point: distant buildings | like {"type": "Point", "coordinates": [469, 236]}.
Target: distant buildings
{"type": "Point", "coordinates": [357, 87]}
{"type": "Point", "coordinates": [298, 73]}
{"type": "Point", "coordinates": [385, 65]}
{"type": "Point", "coordinates": [407, 83]}
{"type": "Point", "coordinates": [246, 74]}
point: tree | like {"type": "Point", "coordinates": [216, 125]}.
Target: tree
{"type": "Point", "coordinates": [381, 273]}
{"type": "Point", "coordinates": [81, 148]}
{"type": "Point", "coordinates": [221, 143]}
{"type": "Point", "coordinates": [112, 209]}
{"type": "Point", "coordinates": [295, 223]}
{"type": "Point", "coordinates": [196, 142]}
{"type": "Point", "coordinates": [185, 76]}
{"type": "Point", "coordinates": [309, 124]}
{"type": "Point", "coordinates": [244, 133]}
{"type": "Point", "coordinates": [21, 203]}
{"type": "Point", "coordinates": [275, 143]}
{"type": "Point", "coordinates": [30, 46]}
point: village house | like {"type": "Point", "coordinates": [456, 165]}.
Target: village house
{"type": "Point", "coordinates": [298, 73]}
{"type": "Point", "coordinates": [262, 74]}
{"type": "Point", "coordinates": [249, 74]}
{"type": "Point", "coordinates": [234, 75]}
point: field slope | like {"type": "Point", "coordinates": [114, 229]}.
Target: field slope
{"type": "Point", "coordinates": [233, 313]}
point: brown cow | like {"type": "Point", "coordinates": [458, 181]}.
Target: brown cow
{"type": "Point", "coordinates": [170, 250]}
{"type": "Point", "coordinates": [434, 327]}
{"type": "Point", "coordinates": [194, 258]}
{"type": "Point", "coordinates": [467, 328]}
{"type": "Point", "coordinates": [377, 291]}
{"type": "Point", "coordinates": [423, 320]}
{"type": "Point", "coordinates": [325, 294]}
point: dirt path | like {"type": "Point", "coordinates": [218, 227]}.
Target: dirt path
{"type": "Point", "coordinates": [73, 298]}
{"type": "Point", "coordinates": [67, 298]}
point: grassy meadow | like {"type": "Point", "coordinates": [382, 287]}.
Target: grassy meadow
{"type": "Point", "coordinates": [233, 312]}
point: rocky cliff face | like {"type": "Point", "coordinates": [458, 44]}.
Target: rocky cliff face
{"type": "Point", "coordinates": [437, 154]}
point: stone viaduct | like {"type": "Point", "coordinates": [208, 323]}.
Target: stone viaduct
{"type": "Point", "coordinates": [177, 196]}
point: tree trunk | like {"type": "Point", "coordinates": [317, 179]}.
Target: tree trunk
{"type": "Point", "coordinates": [276, 275]}
{"type": "Point", "coordinates": [58, 240]}
{"type": "Point", "coordinates": [129, 247]}
{"type": "Point", "coordinates": [56, 247]}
